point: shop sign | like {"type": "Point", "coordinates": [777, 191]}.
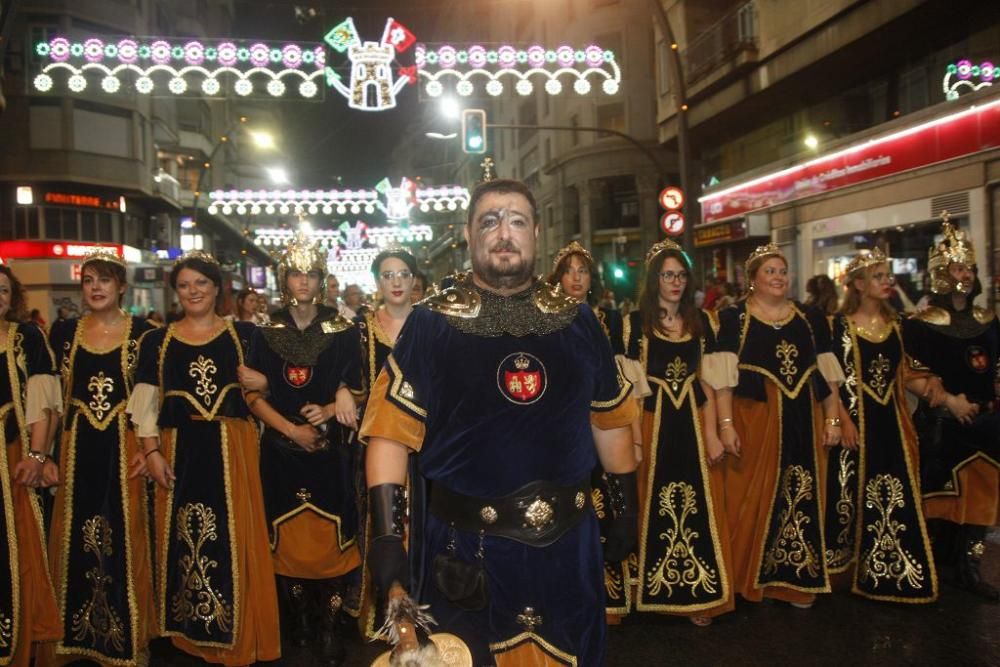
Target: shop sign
{"type": "Point", "coordinates": [84, 201]}
{"type": "Point", "coordinates": [733, 230]}
{"type": "Point", "coordinates": [944, 138]}
{"type": "Point", "coordinates": [52, 249]}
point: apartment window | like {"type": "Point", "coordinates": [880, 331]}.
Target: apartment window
{"type": "Point", "coordinates": [615, 202]}
{"type": "Point", "coordinates": [574, 122]}
{"type": "Point", "coordinates": [26, 223]}
{"type": "Point", "coordinates": [662, 68]}
{"type": "Point", "coordinates": [529, 162]}
{"type": "Point", "coordinates": [547, 156]}
{"type": "Point", "coordinates": [102, 130]}
{"type": "Point", "coordinates": [45, 124]}
{"type": "Point", "coordinates": [571, 210]}
{"type": "Point", "coordinates": [60, 223]}
{"type": "Point", "coordinates": [611, 116]}
{"type": "Point", "coordinates": [88, 226]}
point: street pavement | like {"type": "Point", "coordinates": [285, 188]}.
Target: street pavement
{"type": "Point", "coordinates": [841, 629]}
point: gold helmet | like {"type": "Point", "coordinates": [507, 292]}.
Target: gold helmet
{"type": "Point", "coordinates": [955, 247]}
{"type": "Point", "coordinates": [301, 254]}
{"type": "Point", "coordinates": [864, 259]}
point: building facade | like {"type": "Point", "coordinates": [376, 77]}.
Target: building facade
{"type": "Point", "coordinates": [832, 126]}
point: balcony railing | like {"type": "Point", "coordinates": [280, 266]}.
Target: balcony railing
{"type": "Point", "coordinates": [733, 34]}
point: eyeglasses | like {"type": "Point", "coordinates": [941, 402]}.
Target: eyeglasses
{"type": "Point", "coordinates": [403, 274]}
{"type": "Point", "coordinates": [671, 276]}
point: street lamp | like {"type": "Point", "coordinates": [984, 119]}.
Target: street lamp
{"type": "Point", "coordinates": [278, 175]}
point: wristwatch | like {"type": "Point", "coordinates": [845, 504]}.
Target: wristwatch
{"type": "Point", "coordinates": [38, 456]}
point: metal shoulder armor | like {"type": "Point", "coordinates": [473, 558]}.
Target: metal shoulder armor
{"type": "Point", "coordinates": [336, 324]}
{"type": "Point", "coordinates": [454, 301]}
{"type": "Point", "coordinates": [982, 315]}
{"type": "Point", "coordinates": [934, 315]}
{"type": "Point", "coordinates": [550, 299]}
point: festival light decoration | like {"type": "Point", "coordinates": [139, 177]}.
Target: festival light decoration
{"type": "Point", "coordinates": [373, 85]}
{"type": "Point", "coordinates": [351, 248]}
{"type": "Point", "coordinates": [963, 74]}
{"type": "Point", "coordinates": [509, 66]}
{"type": "Point", "coordinates": [395, 202]}
{"type": "Point", "coordinates": [159, 65]}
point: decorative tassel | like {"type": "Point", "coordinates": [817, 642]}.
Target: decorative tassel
{"type": "Point", "coordinates": [403, 615]}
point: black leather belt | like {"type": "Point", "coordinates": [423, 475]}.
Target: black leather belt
{"type": "Point", "coordinates": [537, 514]}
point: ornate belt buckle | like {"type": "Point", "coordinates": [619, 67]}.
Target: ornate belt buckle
{"type": "Point", "coordinates": [539, 514]}
{"type": "Point", "coordinates": [488, 514]}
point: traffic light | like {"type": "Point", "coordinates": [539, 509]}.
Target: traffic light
{"type": "Point", "coordinates": [474, 131]}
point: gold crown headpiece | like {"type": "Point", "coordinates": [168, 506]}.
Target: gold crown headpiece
{"type": "Point", "coordinates": [573, 248]}
{"type": "Point", "coordinates": [657, 248]}
{"type": "Point", "coordinates": [102, 254]}
{"type": "Point", "coordinates": [762, 252]}
{"type": "Point", "coordinates": [864, 259]}
{"type": "Point", "coordinates": [197, 254]}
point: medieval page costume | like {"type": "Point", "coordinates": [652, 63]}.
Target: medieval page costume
{"type": "Point", "coordinates": [496, 395]}
{"type": "Point", "coordinates": [215, 581]}
{"type": "Point", "coordinates": [99, 547]}
{"type": "Point", "coordinates": [28, 610]}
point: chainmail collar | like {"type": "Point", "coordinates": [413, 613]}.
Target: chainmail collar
{"type": "Point", "coordinates": [538, 310]}
{"type": "Point", "coordinates": [303, 347]}
{"type": "Point", "coordinates": [964, 323]}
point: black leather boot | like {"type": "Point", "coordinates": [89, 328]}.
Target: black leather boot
{"type": "Point", "coordinates": [331, 640]}
{"type": "Point", "coordinates": [971, 547]}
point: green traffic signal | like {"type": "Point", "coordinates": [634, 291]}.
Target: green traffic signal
{"type": "Point", "coordinates": [474, 131]}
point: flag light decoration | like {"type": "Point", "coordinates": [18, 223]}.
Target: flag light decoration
{"type": "Point", "coordinates": [519, 68]}
{"type": "Point", "coordinates": [963, 74]}
{"type": "Point", "coordinates": [207, 67]}
{"type": "Point", "coordinates": [372, 85]}
{"type": "Point", "coordinates": [395, 202]}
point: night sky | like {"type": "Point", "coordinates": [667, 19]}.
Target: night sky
{"type": "Point", "coordinates": [325, 140]}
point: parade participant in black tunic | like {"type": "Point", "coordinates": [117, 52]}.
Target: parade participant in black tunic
{"type": "Point", "coordinates": [499, 387]}
{"type": "Point", "coordinates": [775, 358]}
{"type": "Point", "coordinates": [395, 272]}
{"type": "Point", "coordinates": [574, 272]}
{"type": "Point", "coordinates": [99, 538]}
{"type": "Point", "coordinates": [958, 342]}
{"type": "Point", "coordinates": [310, 358]}
{"type": "Point", "coordinates": [29, 406]}
{"type": "Point", "coordinates": [214, 578]}
{"type": "Point", "coordinates": [683, 538]}
{"type": "Point", "coordinates": [874, 516]}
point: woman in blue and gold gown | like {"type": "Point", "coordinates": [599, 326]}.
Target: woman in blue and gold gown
{"type": "Point", "coordinates": [29, 403]}
{"type": "Point", "coordinates": [575, 274]}
{"type": "Point", "coordinates": [874, 520]}
{"type": "Point", "coordinates": [684, 554]}
{"type": "Point", "coordinates": [215, 581]}
{"type": "Point", "coordinates": [99, 538]}
{"type": "Point", "coordinates": [777, 409]}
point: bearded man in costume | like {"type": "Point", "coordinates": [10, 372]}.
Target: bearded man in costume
{"type": "Point", "coordinates": [958, 342]}
{"type": "Point", "coordinates": [496, 393]}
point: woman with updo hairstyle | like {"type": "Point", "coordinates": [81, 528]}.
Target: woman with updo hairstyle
{"type": "Point", "coordinates": [681, 483]}
{"type": "Point", "coordinates": [215, 596]}
{"type": "Point", "coordinates": [875, 471]}
{"type": "Point", "coordinates": [97, 505]}
{"type": "Point", "coordinates": [30, 402]}
{"type": "Point", "coordinates": [395, 271]}
{"type": "Point", "coordinates": [775, 380]}
{"type": "Point", "coordinates": [247, 305]}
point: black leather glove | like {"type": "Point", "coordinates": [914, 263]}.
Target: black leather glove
{"type": "Point", "coordinates": [387, 560]}
{"type": "Point", "coordinates": [623, 536]}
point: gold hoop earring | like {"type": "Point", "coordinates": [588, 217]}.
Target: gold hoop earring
{"type": "Point", "coordinates": [293, 301]}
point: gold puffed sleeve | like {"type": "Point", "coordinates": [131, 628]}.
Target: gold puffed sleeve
{"type": "Point", "coordinates": [721, 369]}
{"type": "Point", "coordinates": [636, 374]}
{"type": "Point", "coordinates": [830, 368]}
{"type": "Point", "coordinates": [144, 406]}
{"type": "Point", "coordinates": [43, 393]}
